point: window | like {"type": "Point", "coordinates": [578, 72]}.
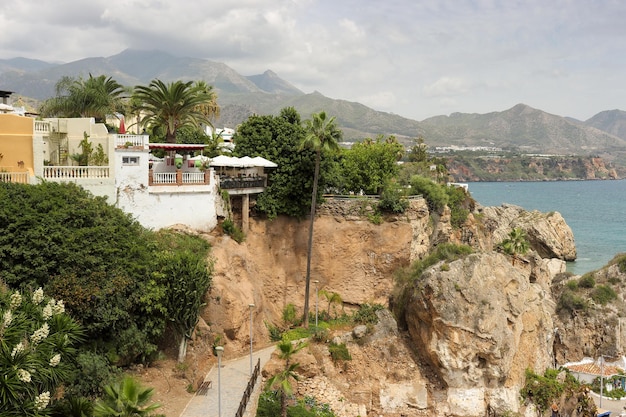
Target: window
{"type": "Point", "coordinates": [130, 160]}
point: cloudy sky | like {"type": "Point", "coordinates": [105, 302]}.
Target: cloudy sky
{"type": "Point", "coordinates": [415, 58]}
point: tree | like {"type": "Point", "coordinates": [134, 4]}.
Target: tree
{"type": "Point", "coordinates": [94, 97]}
{"type": "Point", "coordinates": [186, 276]}
{"type": "Point", "coordinates": [282, 380]}
{"type": "Point", "coordinates": [332, 297]}
{"type": "Point", "coordinates": [91, 254]}
{"type": "Point", "coordinates": [370, 164]}
{"type": "Point", "coordinates": [174, 105]}
{"type": "Point", "coordinates": [278, 139]}
{"type": "Point", "coordinates": [322, 135]}
{"type": "Point", "coordinates": [516, 243]}
{"type": "Point", "coordinates": [126, 399]}
{"type": "Point", "coordinates": [37, 346]}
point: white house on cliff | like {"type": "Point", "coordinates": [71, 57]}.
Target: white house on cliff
{"type": "Point", "coordinates": [159, 193]}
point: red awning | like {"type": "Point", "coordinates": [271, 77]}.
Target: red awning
{"type": "Point", "coordinates": [177, 146]}
{"type": "Point", "coordinates": [122, 127]}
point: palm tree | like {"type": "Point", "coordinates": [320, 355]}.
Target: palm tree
{"type": "Point", "coordinates": [516, 243]}
{"type": "Point", "coordinates": [282, 380]}
{"type": "Point", "coordinates": [94, 97]}
{"type": "Point", "coordinates": [127, 399]}
{"type": "Point", "coordinates": [332, 297]}
{"type": "Point", "coordinates": [175, 104]}
{"type": "Point", "coordinates": [321, 135]}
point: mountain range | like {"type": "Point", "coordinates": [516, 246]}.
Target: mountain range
{"type": "Point", "coordinates": [520, 128]}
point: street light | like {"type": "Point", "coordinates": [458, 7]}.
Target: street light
{"type": "Point", "coordinates": [251, 308]}
{"type": "Point", "coordinates": [316, 299]}
{"type": "Point", "coordinates": [219, 350]}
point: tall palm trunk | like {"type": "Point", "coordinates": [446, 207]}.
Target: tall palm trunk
{"type": "Point", "coordinates": [310, 248]}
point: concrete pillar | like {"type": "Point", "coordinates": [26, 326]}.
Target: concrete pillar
{"type": "Point", "coordinates": [245, 209]}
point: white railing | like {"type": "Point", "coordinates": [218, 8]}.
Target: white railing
{"type": "Point", "coordinates": [42, 126]}
{"type": "Point", "coordinates": [20, 177]}
{"type": "Point", "coordinates": [164, 178]}
{"type": "Point", "coordinates": [124, 141]}
{"type": "Point", "coordinates": [193, 177]}
{"type": "Point", "coordinates": [69, 172]}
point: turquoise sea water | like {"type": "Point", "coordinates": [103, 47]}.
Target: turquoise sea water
{"type": "Point", "coordinates": [595, 211]}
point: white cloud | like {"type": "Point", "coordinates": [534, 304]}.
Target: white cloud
{"type": "Point", "coordinates": [402, 55]}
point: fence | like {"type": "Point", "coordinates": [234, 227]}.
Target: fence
{"type": "Point", "coordinates": [248, 392]}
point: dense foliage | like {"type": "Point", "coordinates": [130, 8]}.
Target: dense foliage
{"type": "Point", "coordinates": [37, 347]}
{"type": "Point", "coordinates": [544, 390]}
{"type": "Point", "coordinates": [92, 97]}
{"type": "Point", "coordinates": [278, 139]}
{"type": "Point", "coordinates": [123, 282]}
{"type": "Point", "coordinates": [174, 105]}
{"type": "Point", "coordinates": [367, 166]}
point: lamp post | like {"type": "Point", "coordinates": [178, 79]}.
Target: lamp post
{"type": "Point", "coordinates": [316, 300]}
{"type": "Point", "coordinates": [251, 334]}
{"type": "Point", "coordinates": [601, 378]}
{"type": "Point", "coordinates": [219, 350]}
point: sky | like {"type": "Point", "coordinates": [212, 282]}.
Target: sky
{"type": "Point", "coordinates": [414, 58]}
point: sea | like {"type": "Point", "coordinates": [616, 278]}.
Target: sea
{"type": "Point", "coordinates": [594, 210]}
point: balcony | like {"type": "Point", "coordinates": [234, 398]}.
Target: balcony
{"type": "Point", "coordinates": [18, 177]}
{"type": "Point", "coordinates": [229, 183]}
{"type": "Point", "coordinates": [179, 177]}
{"type": "Point", "coordinates": [74, 172]}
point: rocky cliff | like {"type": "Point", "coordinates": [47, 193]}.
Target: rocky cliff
{"type": "Point", "coordinates": [473, 325]}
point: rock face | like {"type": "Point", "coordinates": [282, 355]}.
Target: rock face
{"type": "Point", "coordinates": [480, 322]}
{"type": "Point", "coordinates": [548, 234]}
{"type": "Point", "coordinates": [476, 326]}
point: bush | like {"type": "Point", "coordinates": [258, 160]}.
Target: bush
{"type": "Point", "coordinates": [339, 352]}
{"type": "Point", "coordinates": [290, 316]}
{"type": "Point", "coordinates": [571, 302]}
{"type": "Point", "coordinates": [602, 294]}
{"type": "Point", "coordinates": [435, 194]}
{"type": "Point", "coordinates": [572, 285]}
{"type": "Point", "coordinates": [392, 200]}
{"type": "Point", "coordinates": [366, 314]}
{"type": "Point", "coordinates": [276, 333]}
{"type": "Point", "coordinates": [233, 231]}
{"type": "Point", "coordinates": [587, 281]}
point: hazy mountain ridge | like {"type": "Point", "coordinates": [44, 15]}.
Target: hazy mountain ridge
{"type": "Point", "coordinates": [521, 127]}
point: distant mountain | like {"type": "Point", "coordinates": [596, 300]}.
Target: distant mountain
{"type": "Point", "coordinates": [521, 128]}
{"type": "Point", "coordinates": [23, 65]}
{"type": "Point", "coordinates": [610, 121]}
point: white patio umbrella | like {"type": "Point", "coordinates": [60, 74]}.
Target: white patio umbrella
{"type": "Point", "coordinates": [259, 161]}
{"type": "Point", "coordinates": [225, 161]}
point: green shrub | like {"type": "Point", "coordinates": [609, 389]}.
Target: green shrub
{"type": "Point", "coordinates": [233, 231]}
{"type": "Point", "coordinates": [571, 302]}
{"type": "Point", "coordinates": [435, 194]}
{"type": "Point", "coordinates": [290, 315]}
{"type": "Point", "coordinates": [621, 263]}
{"type": "Point", "coordinates": [572, 285]}
{"type": "Point", "coordinates": [392, 200]}
{"type": "Point", "coordinates": [375, 218]}
{"type": "Point", "coordinates": [276, 333]}
{"type": "Point", "coordinates": [602, 294]}
{"type": "Point", "coordinates": [366, 314]}
{"type": "Point", "coordinates": [339, 352]}
{"type": "Point", "coordinates": [587, 281]}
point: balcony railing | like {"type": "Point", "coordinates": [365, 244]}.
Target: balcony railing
{"type": "Point", "coordinates": [128, 141]}
{"type": "Point", "coordinates": [179, 178]}
{"type": "Point", "coordinates": [19, 177]}
{"type": "Point", "coordinates": [70, 172]}
{"type": "Point", "coordinates": [42, 126]}
{"type": "Point", "coordinates": [230, 183]}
